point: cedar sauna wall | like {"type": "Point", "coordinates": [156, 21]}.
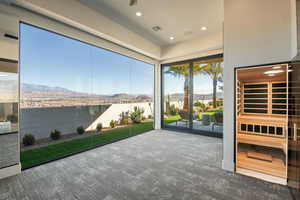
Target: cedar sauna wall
{"type": "Point", "coordinates": [261, 128]}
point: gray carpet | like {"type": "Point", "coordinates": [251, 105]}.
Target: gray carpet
{"type": "Point", "coordinates": [156, 165]}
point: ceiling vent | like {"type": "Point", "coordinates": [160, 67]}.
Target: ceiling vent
{"type": "Point", "coordinates": [156, 28]}
{"type": "Point", "coordinates": [133, 2]}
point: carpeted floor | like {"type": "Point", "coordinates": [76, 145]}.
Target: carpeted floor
{"type": "Point", "coordinates": [156, 165]}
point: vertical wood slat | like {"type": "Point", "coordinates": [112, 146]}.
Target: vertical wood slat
{"type": "Point", "coordinates": [270, 98]}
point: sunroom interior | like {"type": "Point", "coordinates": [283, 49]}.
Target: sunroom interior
{"type": "Point", "coordinates": [150, 98]}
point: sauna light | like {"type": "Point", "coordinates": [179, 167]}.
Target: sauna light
{"type": "Point", "coordinates": [273, 71]}
{"type": "Point", "coordinates": [276, 67]}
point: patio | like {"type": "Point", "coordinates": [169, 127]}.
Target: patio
{"type": "Point", "coordinates": [155, 165]}
{"type": "Point", "coordinates": [198, 125]}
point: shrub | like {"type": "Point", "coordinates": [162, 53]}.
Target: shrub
{"type": "Point", "coordinates": [219, 117]}
{"type": "Point", "coordinates": [28, 140]}
{"type": "Point", "coordinates": [99, 127]}
{"type": "Point", "coordinates": [80, 130]}
{"type": "Point", "coordinates": [113, 123]}
{"type": "Point", "coordinates": [55, 135]}
{"type": "Point", "coordinates": [184, 115]}
{"type": "Point", "coordinates": [137, 115]}
{"type": "Point", "coordinates": [173, 110]}
{"type": "Point", "coordinates": [150, 117]}
{"type": "Point", "coordinates": [198, 104]}
{"type": "Point", "coordinates": [126, 121]}
{"type": "Point", "coordinates": [219, 103]}
{"type": "Point", "coordinates": [124, 118]}
{"type": "Point", "coordinates": [12, 118]}
{"type": "Point", "coordinates": [201, 106]}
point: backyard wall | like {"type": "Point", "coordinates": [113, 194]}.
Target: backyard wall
{"type": "Point", "coordinates": [255, 32]}
{"type": "Point", "coordinates": [114, 111]}
{"type": "Point", "coordinates": [41, 121]}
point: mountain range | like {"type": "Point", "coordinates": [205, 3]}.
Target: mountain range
{"type": "Point", "coordinates": [8, 88]}
{"type": "Point", "coordinates": [34, 90]}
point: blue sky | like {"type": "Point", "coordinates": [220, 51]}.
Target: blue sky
{"type": "Point", "coordinates": [53, 60]}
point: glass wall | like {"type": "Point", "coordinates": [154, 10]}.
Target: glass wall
{"type": "Point", "coordinates": [177, 95]}
{"type": "Point", "coordinates": [193, 96]}
{"type": "Point", "coordinates": [75, 96]}
{"type": "Point", "coordinates": [9, 113]}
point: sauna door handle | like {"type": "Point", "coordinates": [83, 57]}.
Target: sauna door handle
{"type": "Point", "coordinates": [295, 131]}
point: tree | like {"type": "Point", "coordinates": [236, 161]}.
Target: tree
{"type": "Point", "coordinates": [215, 71]}
{"type": "Point", "coordinates": [183, 71]}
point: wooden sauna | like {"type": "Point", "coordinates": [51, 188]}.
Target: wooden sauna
{"type": "Point", "coordinates": [261, 122]}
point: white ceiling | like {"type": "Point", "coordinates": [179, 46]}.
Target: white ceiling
{"type": "Point", "coordinates": [181, 19]}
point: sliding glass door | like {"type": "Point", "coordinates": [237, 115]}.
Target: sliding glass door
{"type": "Point", "coordinates": [193, 96]}
{"type": "Point", "coordinates": [177, 95]}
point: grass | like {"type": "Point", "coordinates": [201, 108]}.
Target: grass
{"type": "Point", "coordinates": [207, 113]}
{"type": "Point", "coordinates": [171, 119]}
{"type": "Point", "coordinates": [175, 118]}
{"type": "Point", "coordinates": [41, 155]}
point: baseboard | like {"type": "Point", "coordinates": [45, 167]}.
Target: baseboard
{"type": "Point", "coordinates": [265, 177]}
{"type": "Point", "coordinates": [10, 171]}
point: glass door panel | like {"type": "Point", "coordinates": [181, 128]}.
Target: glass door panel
{"type": "Point", "coordinates": [208, 96]}
{"type": "Point", "coordinates": [9, 113]}
{"type": "Point", "coordinates": [294, 130]}
{"type": "Point", "coordinates": [177, 95]}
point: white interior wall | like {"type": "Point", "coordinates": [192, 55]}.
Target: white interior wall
{"type": "Point", "coordinates": [294, 38]}
{"type": "Point", "coordinates": [9, 48]}
{"type": "Point", "coordinates": [255, 32]}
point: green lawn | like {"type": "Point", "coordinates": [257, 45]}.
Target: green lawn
{"type": "Point", "coordinates": [171, 119]}
{"type": "Point", "coordinates": [207, 113]}
{"type": "Point", "coordinates": [41, 155]}
{"type": "Point", "coordinates": [175, 118]}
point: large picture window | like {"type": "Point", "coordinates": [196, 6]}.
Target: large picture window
{"type": "Point", "coordinates": [75, 96]}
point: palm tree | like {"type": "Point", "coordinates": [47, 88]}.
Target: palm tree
{"type": "Point", "coordinates": [183, 71]}
{"type": "Point", "coordinates": [215, 71]}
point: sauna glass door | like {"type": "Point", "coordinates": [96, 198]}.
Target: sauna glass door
{"type": "Point", "coordinates": [294, 130]}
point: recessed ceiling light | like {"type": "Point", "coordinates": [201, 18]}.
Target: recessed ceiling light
{"type": "Point", "coordinates": [138, 14]}
{"type": "Point", "coordinates": [204, 28]}
{"type": "Point", "coordinates": [172, 38]}
{"type": "Point", "coordinates": [274, 71]}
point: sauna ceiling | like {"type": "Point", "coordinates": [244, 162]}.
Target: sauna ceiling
{"type": "Point", "coordinates": [268, 73]}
